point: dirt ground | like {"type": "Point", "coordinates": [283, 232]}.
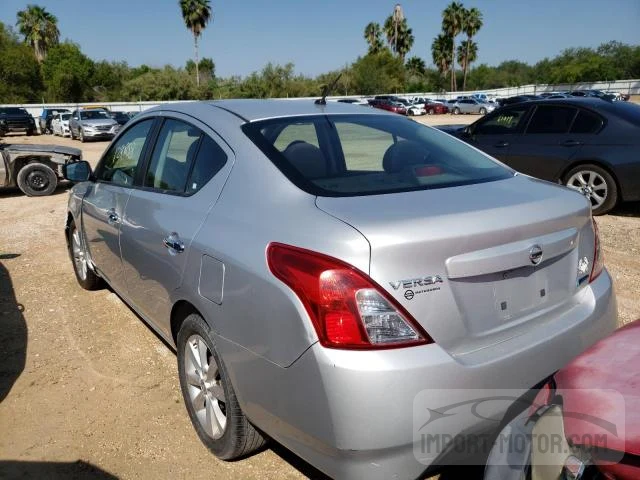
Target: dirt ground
{"type": "Point", "coordinates": [87, 390]}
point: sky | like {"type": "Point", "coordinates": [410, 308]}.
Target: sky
{"type": "Point", "coordinates": [319, 36]}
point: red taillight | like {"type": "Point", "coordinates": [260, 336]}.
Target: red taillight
{"type": "Point", "coordinates": [598, 256]}
{"type": "Point", "coordinates": [347, 308]}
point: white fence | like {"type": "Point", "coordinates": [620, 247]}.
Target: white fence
{"type": "Point", "coordinates": [631, 87]}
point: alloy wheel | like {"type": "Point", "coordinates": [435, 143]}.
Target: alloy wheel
{"type": "Point", "coordinates": [205, 389]}
{"type": "Point", "coordinates": [591, 184]}
{"type": "Point", "coordinates": [79, 258]}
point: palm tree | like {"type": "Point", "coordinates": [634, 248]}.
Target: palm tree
{"type": "Point", "coordinates": [441, 53]}
{"type": "Point", "coordinates": [415, 66]}
{"type": "Point", "coordinates": [372, 34]}
{"type": "Point", "coordinates": [467, 54]}
{"type": "Point", "coordinates": [196, 14]}
{"type": "Point", "coordinates": [472, 23]}
{"type": "Point", "coordinates": [452, 25]}
{"type": "Point", "coordinates": [39, 28]}
{"type": "Point", "coordinates": [399, 36]}
{"type": "Point", "coordinates": [396, 18]}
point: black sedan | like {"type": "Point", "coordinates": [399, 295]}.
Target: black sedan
{"type": "Point", "coordinates": [588, 144]}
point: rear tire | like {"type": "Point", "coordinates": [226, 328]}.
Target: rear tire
{"type": "Point", "coordinates": [431, 112]}
{"type": "Point", "coordinates": [598, 183]}
{"type": "Point", "coordinates": [237, 437]}
{"type": "Point", "coordinates": [86, 277]}
{"type": "Point", "coordinates": [37, 180]}
{"type": "Point", "coordinates": [456, 111]}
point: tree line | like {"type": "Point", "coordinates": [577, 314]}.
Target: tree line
{"type": "Point", "coordinates": [37, 67]}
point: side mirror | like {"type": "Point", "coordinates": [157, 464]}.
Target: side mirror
{"type": "Point", "coordinates": [465, 132]}
{"type": "Point", "coordinates": [77, 171]}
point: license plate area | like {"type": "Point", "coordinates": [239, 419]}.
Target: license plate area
{"type": "Point", "coordinates": [497, 299]}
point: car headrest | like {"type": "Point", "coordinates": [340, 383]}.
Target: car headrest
{"type": "Point", "coordinates": [402, 154]}
{"type": "Point", "coordinates": [192, 150]}
{"type": "Point", "coordinates": [307, 159]}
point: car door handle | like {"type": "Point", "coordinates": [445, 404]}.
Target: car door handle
{"type": "Point", "coordinates": [112, 217]}
{"type": "Point", "coordinates": [502, 144]}
{"type": "Point", "coordinates": [173, 243]}
{"type": "Point", "coordinates": [571, 143]}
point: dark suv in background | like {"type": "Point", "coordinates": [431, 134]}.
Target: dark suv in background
{"type": "Point", "coordinates": [16, 119]}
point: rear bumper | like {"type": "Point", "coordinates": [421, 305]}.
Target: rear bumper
{"type": "Point", "coordinates": [351, 414]}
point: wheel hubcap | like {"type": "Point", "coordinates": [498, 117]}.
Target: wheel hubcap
{"type": "Point", "coordinates": [79, 259]}
{"type": "Point", "coordinates": [591, 184]}
{"type": "Point", "coordinates": [205, 389]}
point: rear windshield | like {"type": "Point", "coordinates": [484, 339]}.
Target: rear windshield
{"type": "Point", "coordinates": [347, 155]}
{"type": "Point", "coordinates": [13, 111]}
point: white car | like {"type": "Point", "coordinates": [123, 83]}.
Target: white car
{"type": "Point", "coordinates": [60, 124]}
{"type": "Point", "coordinates": [412, 108]}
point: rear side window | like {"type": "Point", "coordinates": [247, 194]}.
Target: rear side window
{"type": "Point", "coordinates": [505, 121]}
{"type": "Point", "coordinates": [371, 154]}
{"type": "Point", "coordinates": [210, 159]}
{"type": "Point", "coordinates": [172, 156]}
{"type": "Point", "coordinates": [586, 122]}
{"type": "Point", "coordinates": [551, 119]}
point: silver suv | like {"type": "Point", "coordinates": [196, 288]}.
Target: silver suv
{"type": "Point", "coordinates": [325, 271]}
{"type": "Point", "coordinates": [92, 124]}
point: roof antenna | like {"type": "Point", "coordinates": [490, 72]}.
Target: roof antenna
{"type": "Point", "coordinates": [326, 90]}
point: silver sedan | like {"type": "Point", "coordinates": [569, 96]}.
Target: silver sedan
{"type": "Point", "coordinates": [327, 274]}
{"type": "Point", "coordinates": [471, 105]}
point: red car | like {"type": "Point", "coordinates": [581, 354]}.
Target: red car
{"type": "Point", "coordinates": [436, 108]}
{"type": "Point", "coordinates": [431, 107]}
{"type": "Point", "coordinates": [388, 105]}
{"type": "Point", "coordinates": [591, 410]}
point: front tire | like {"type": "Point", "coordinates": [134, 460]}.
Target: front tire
{"type": "Point", "coordinates": [37, 180]}
{"type": "Point", "coordinates": [483, 111]}
{"type": "Point", "coordinates": [209, 396]}
{"type": "Point", "coordinates": [81, 136]}
{"type": "Point", "coordinates": [596, 184]}
{"type": "Point", "coordinates": [85, 276]}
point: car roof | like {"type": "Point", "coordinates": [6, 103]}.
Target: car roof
{"type": "Point", "coordinates": [251, 110]}
{"type": "Point", "coordinates": [575, 101]}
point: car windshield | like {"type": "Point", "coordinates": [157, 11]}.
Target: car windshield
{"type": "Point", "coordinates": [13, 111]}
{"type": "Point", "coordinates": [349, 155]}
{"type": "Point", "coordinates": [94, 115]}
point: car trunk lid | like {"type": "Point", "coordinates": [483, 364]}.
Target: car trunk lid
{"type": "Point", "coordinates": [479, 264]}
